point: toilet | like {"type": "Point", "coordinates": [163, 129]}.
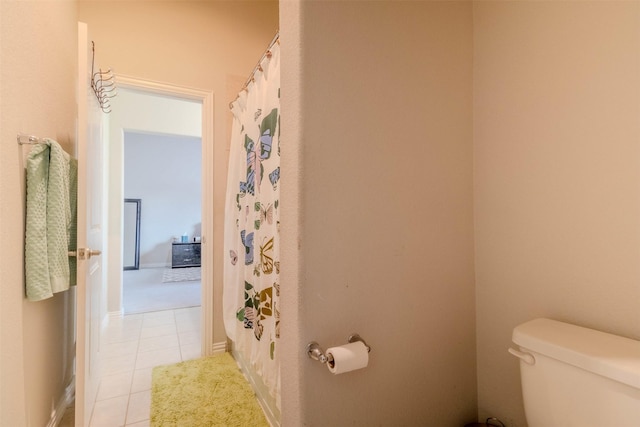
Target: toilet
{"type": "Point", "coordinates": [577, 377]}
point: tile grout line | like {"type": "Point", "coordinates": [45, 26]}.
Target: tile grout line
{"type": "Point", "coordinates": [135, 361]}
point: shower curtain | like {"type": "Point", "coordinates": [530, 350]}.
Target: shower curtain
{"type": "Point", "coordinates": [251, 239]}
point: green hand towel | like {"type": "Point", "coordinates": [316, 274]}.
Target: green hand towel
{"type": "Point", "coordinates": [50, 223]}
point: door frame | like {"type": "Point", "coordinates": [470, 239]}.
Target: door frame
{"type": "Point", "coordinates": [206, 98]}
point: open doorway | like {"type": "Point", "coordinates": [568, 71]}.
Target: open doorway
{"type": "Point", "coordinates": [162, 224]}
{"type": "Point", "coordinates": [156, 113]}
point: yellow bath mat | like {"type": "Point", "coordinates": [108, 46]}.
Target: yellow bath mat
{"type": "Point", "coordinates": [207, 392]}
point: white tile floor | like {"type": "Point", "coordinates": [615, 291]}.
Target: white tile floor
{"type": "Point", "coordinates": [133, 345]}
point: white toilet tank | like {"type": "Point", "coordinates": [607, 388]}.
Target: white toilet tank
{"type": "Point", "coordinates": [577, 377]}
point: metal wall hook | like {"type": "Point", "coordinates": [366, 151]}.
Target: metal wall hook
{"type": "Point", "coordinates": [102, 83]}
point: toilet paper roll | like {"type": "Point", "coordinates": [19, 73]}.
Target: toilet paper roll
{"type": "Point", "coordinates": [347, 358]}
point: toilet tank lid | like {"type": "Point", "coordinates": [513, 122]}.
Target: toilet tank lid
{"type": "Point", "coordinates": [605, 354]}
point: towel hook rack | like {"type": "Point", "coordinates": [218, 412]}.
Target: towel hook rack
{"type": "Point", "coordinates": [103, 83]}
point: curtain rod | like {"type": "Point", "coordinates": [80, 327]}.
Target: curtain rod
{"type": "Point", "coordinates": [267, 54]}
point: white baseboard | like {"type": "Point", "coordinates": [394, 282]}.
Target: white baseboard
{"type": "Point", "coordinates": [114, 314]}
{"type": "Point", "coordinates": [266, 401]}
{"type": "Point", "coordinates": [219, 347]}
{"type": "Point", "coordinates": [155, 265]}
{"type": "Point", "coordinates": [63, 403]}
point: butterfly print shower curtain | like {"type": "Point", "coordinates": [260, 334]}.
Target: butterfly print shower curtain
{"type": "Point", "coordinates": [251, 303]}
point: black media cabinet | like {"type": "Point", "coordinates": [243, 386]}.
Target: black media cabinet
{"type": "Point", "coordinates": [185, 255]}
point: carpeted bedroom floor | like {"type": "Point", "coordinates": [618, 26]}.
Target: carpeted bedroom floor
{"type": "Point", "coordinates": [144, 290]}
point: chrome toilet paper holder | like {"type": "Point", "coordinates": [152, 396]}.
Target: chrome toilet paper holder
{"type": "Point", "coordinates": [315, 352]}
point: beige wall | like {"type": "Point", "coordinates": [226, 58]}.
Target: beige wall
{"type": "Point", "coordinates": [382, 240]}
{"type": "Point", "coordinates": [557, 173]}
{"type": "Point", "coordinates": [196, 44]}
{"type": "Point", "coordinates": [37, 96]}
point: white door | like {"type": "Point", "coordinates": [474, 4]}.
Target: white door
{"type": "Point", "coordinates": [88, 293]}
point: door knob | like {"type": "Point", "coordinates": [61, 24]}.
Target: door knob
{"type": "Point", "coordinates": [87, 253]}
{"type": "Point", "coordinates": [92, 252]}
